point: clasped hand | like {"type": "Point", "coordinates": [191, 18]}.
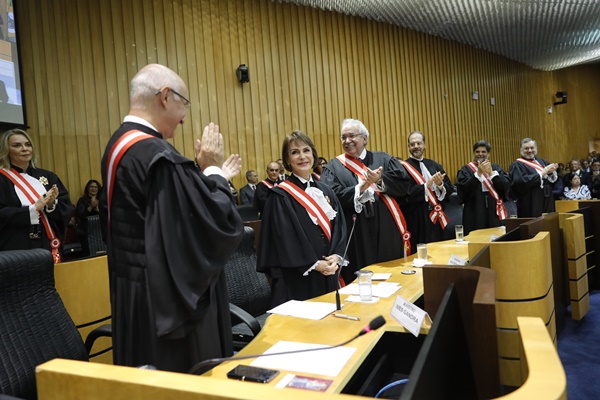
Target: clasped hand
{"type": "Point", "coordinates": [328, 265]}
{"type": "Point", "coordinates": [484, 167]}
{"type": "Point", "coordinates": [47, 198]}
{"type": "Point", "coordinates": [437, 179]}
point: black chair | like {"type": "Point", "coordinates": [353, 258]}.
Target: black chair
{"type": "Point", "coordinates": [247, 212]}
{"type": "Point", "coordinates": [249, 292]}
{"type": "Point", "coordinates": [94, 236]}
{"type": "Point", "coordinates": [454, 212]}
{"type": "Point", "coordinates": [34, 324]}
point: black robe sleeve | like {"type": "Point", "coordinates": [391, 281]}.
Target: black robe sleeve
{"type": "Point", "coordinates": [191, 229]}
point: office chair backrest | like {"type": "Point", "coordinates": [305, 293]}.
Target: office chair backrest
{"type": "Point", "coordinates": [95, 241]}
{"type": "Point", "coordinates": [34, 325]}
{"type": "Point", "coordinates": [247, 288]}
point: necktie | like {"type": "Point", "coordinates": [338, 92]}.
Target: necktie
{"type": "Point", "coordinates": [253, 187]}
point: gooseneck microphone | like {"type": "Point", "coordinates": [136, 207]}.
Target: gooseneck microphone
{"type": "Point", "coordinates": [338, 303]}
{"type": "Point", "coordinates": [200, 367]}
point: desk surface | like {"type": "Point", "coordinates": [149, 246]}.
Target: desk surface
{"type": "Point", "coordinates": [331, 330]}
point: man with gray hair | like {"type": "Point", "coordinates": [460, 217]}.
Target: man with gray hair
{"type": "Point", "coordinates": [532, 181]}
{"type": "Point", "coordinates": [370, 185]}
{"type": "Point", "coordinates": [171, 228]}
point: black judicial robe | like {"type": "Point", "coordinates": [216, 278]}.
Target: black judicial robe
{"type": "Point", "coordinates": [261, 194]}
{"type": "Point", "coordinates": [479, 210]}
{"type": "Point", "coordinates": [171, 231]}
{"type": "Point", "coordinates": [290, 243]}
{"type": "Point", "coordinates": [15, 222]}
{"type": "Point", "coordinates": [532, 201]}
{"type": "Point", "coordinates": [417, 208]}
{"type": "Point", "coordinates": [376, 237]}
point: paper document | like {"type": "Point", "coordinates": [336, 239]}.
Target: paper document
{"type": "Point", "coordinates": [381, 276]}
{"type": "Point", "coordinates": [383, 289]}
{"type": "Point", "coordinates": [327, 362]}
{"type": "Point", "coordinates": [304, 309]}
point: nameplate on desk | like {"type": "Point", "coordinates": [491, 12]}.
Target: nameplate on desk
{"type": "Point", "coordinates": [408, 315]}
{"type": "Point", "coordinates": [456, 260]}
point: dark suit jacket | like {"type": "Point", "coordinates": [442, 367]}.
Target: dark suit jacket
{"type": "Point", "coordinates": [246, 195]}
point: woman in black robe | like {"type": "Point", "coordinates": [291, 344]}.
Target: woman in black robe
{"type": "Point", "coordinates": [300, 252]}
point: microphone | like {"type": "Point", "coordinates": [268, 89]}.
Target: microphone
{"type": "Point", "coordinates": [200, 367]}
{"type": "Point", "coordinates": [338, 303]}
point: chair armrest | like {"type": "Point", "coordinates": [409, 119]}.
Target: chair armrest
{"type": "Point", "coordinates": [245, 317]}
{"type": "Point", "coordinates": [101, 331]}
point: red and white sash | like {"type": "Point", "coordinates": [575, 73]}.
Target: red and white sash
{"type": "Point", "coordinates": [309, 204]}
{"type": "Point", "coordinates": [437, 214]}
{"type": "Point", "coordinates": [532, 164]}
{"type": "Point", "coordinates": [32, 195]}
{"type": "Point", "coordinates": [487, 182]}
{"type": "Point", "coordinates": [117, 152]}
{"type": "Point", "coordinates": [267, 183]}
{"type": "Point", "coordinates": [358, 168]}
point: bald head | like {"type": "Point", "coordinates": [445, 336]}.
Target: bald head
{"type": "Point", "coordinates": [158, 95]}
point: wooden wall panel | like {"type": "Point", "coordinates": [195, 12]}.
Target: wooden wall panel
{"type": "Point", "coordinates": [309, 69]}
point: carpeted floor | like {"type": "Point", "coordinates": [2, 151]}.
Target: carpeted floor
{"type": "Point", "coordinates": [579, 351]}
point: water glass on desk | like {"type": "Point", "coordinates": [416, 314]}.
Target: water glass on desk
{"type": "Point", "coordinates": [365, 288]}
{"type": "Point", "coordinates": [458, 230]}
{"type": "Point", "coordinates": [422, 251]}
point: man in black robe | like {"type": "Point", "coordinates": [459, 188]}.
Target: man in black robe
{"type": "Point", "coordinates": [478, 183]}
{"type": "Point", "coordinates": [171, 228]}
{"type": "Point", "coordinates": [376, 236]}
{"type": "Point", "coordinates": [419, 211]}
{"type": "Point", "coordinates": [263, 187]}
{"type": "Point", "coordinates": [532, 181]}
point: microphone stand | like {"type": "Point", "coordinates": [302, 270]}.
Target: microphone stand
{"type": "Point", "coordinates": [338, 303]}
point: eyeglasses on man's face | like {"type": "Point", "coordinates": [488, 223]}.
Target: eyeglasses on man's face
{"type": "Point", "coordinates": [186, 103]}
{"type": "Point", "coordinates": [350, 136]}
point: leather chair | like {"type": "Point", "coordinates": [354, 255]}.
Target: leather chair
{"type": "Point", "coordinates": [454, 212]}
{"type": "Point", "coordinates": [94, 236]}
{"type": "Point", "coordinates": [34, 324]}
{"type": "Point", "coordinates": [249, 292]}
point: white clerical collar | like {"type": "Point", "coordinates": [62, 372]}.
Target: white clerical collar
{"type": "Point", "coordinates": [303, 180]}
{"type": "Point", "coordinates": [418, 159]}
{"type": "Point", "coordinates": [139, 120]}
{"type": "Point", "coordinates": [363, 155]}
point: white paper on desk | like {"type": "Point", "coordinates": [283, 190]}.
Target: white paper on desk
{"type": "Point", "coordinates": [356, 299]}
{"type": "Point", "coordinates": [349, 289]}
{"type": "Point", "coordinates": [327, 362]}
{"type": "Point", "coordinates": [381, 276]}
{"type": "Point", "coordinates": [386, 289]}
{"type": "Point", "coordinates": [304, 309]}
{"type": "Point", "coordinates": [456, 260]}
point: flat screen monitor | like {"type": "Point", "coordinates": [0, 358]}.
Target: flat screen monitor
{"type": "Point", "coordinates": [12, 108]}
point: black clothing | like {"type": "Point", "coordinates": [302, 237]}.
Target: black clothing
{"type": "Point", "coordinates": [290, 243]}
{"type": "Point", "coordinates": [376, 237]}
{"type": "Point", "coordinates": [417, 209]}
{"type": "Point", "coordinates": [82, 213]}
{"type": "Point", "coordinates": [532, 200]}
{"type": "Point", "coordinates": [15, 221]}
{"type": "Point", "coordinates": [479, 209]}
{"type": "Point", "coordinates": [261, 194]}
{"type": "Point", "coordinates": [246, 195]}
{"type": "Point", "coordinates": [171, 231]}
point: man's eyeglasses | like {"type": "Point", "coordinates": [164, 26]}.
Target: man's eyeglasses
{"type": "Point", "coordinates": [186, 103]}
{"type": "Point", "coordinates": [349, 136]}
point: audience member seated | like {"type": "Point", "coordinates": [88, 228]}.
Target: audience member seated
{"type": "Point", "coordinates": [87, 205]}
{"type": "Point", "coordinates": [595, 185]}
{"type": "Point", "coordinates": [575, 168]}
{"type": "Point", "coordinates": [575, 190]}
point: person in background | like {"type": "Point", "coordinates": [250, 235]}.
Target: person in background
{"type": "Point", "coordinates": [482, 188]}
{"type": "Point", "coordinates": [595, 174]}
{"type": "Point", "coordinates": [532, 180]}
{"type": "Point", "coordinates": [585, 166]}
{"type": "Point", "coordinates": [263, 187]}
{"type": "Point", "coordinates": [247, 191]}
{"type": "Point", "coordinates": [561, 170]}
{"type": "Point", "coordinates": [282, 175]}
{"type": "Point", "coordinates": [370, 186]}
{"type": "Point", "coordinates": [172, 226]}
{"type": "Point", "coordinates": [321, 162]}
{"type": "Point", "coordinates": [575, 190]}
{"type": "Point", "coordinates": [575, 168]}
{"type": "Point", "coordinates": [34, 204]}
{"type": "Point", "coordinates": [303, 231]}
{"type": "Point", "coordinates": [87, 206]}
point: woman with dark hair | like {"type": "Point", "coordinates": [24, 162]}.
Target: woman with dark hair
{"type": "Point", "coordinates": [87, 206]}
{"type": "Point", "coordinates": [318, 170]}
{"type": "Point", "coordinates": [303, 228]}
{"type": "Point", "coordinates": [34, 204]}
{"type": "Point", "coordinates": [575, 190]}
